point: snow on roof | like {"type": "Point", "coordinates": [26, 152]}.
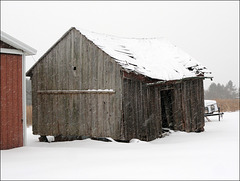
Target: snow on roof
{"type": "Point", "coordinates": [209, 102]}
{"type": "Point", "coordinates": [156, 58]}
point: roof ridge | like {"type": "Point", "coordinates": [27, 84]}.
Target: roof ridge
{"type": "Point", "coordinates": [83, 31]}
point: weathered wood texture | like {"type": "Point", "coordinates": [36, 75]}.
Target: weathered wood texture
{"type": "Point", "coordinates": [141, 110]}
{"type": "Point", "coordinates": [146, 109]}
{"type": "Point", "coordinates": [11, 101]}
{"type": "Point", "coordinates": [72, 67]}
{"type": "Point", "coordinates": [138, 107]}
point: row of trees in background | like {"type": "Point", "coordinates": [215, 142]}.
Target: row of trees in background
{"type": "Point", "coordinates": [219, 91]}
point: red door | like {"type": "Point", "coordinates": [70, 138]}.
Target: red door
{"type": "Point", "coordinates": [11, 101]}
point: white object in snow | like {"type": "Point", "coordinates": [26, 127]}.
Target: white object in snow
{"type": "Point", "coordinates": [210, 106]}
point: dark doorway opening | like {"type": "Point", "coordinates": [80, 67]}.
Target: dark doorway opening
{"type": "Point", "coordinates": [167, 109]}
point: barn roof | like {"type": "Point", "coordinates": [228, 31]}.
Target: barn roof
{"type": "Point", "coordinates": [156, 58]}
{"type": "Point", "coordinates": [17, 44]}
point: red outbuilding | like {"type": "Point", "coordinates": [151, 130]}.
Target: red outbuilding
{"type": "Point", "coordinates": [13, 91]}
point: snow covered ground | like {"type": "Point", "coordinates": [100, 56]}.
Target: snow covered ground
{"type": "Point", "coordinates": [212, 154]}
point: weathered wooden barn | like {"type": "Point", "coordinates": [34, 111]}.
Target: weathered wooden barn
{"type": "Point", "coordinates": [96, 85]}
{"type": "Point", "coordinates": [12, 91]}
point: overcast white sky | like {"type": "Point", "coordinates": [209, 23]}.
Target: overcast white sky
{"type": "Point", "coordinates": [208, 31]}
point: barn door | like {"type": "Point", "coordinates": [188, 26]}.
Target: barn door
{"type": "Point", "coordinates": [167, 108]}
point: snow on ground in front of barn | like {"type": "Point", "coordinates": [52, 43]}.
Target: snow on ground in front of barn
{"type": "Point", "coordinates": [212, 154]}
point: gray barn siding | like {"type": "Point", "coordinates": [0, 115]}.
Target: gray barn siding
{"type": "Point", "coordinates": [77, 114]}
{"type": "Point", "coordinates": [142, 116]}
{"type": "Point", "coordinates": [141, 110]}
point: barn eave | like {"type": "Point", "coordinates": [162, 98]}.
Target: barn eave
{"type": "Point", "coordinates": [27, 50]}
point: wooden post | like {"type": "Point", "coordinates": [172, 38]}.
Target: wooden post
{"type": "Point", "coordinates": [219, 114]}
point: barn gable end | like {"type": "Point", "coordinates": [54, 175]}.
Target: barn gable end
{"type": "Point", "coordinates": [76, 64]}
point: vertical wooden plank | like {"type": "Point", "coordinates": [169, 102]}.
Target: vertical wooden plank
{"type": "Point", "coordinates": [127, 108]}
{"type": "Point", "coordinates": [48, 105]}
{"type": "Point", "coordinates": [57, 86]}
{"type": "Point", "coordinates": [184, 107]}
{"type": "Point", "coordinates": [73, 79]}
{"type": "Point", "coordinates": [61, 79]}
{"type": "Point", "coordinates": [76, 79]}
{"type": "Point", "coordinates": [87, 97]}
{"type": "Point", "coordinates": [177, 113]}
{"type": "Point", "coordinates": [133, 103]}
{"type": "Point", "coordinates": [113, 120]}
{"type": "Point", "coordinates": [47, 101]}
{"type": "Point", "coordinates": [65, 84]}
{"type": "Point", "coordinates": [180, 125]}
{"type": "Point", "coordinates": [107, 86]}
{"type": "Point", "coordinates": [16, 121]}
{"type": "Point", "coordinates": [188, 112]}
{"type": "Point", "coordinates": [193, 105]}
{"type": "Point", "coordinates": [144, 117]}
{"type": "Point", "coordinates": [3, 87]}
{"type": "Point", "coordinates": [39, 73]}
{"type": "Point", "coordinates": [45, 98]}
{"type": "Point", "coordinates": [151, 114]}
{"type": "Point", "coordinates": [198, 126]}
{"type": "Point", "coordinates": [201, 101]}
{"type": "Point", "coordinates": [54, 69]}
{"type": "Point", "coordinates": [132, 113]}
{"type": "Point", "coordinates": [35, 83]}
{"type": "Point", "coordinates": [44, 123]}
{"type": "Point", "coordinates": [181, 122]}
{"type": "Point", "coordinates": [154, 113]}
{"type": "Point", "coordinates": [118, 85]}
{"type": "Point", "coordinates": [200, 104]}
{"type": "Point", "coordinates": [19, 101]}
{"type": "Point", "coordinates": [40, 121]}
{"type": "Point", "coordinates": [106, 96]}
{"type": "Point", "coordinates": [189, 105]}
{"type": "Point", "coordinates": [71, 122]}
{"type": "Point", "coordinates": [174, 107]}
{"type": "Point", "coordinates": [77, 82]}
{"type": "Point", "coordinates": [94, 97]}
{"type": "Point", "coordinates": [51, 97]}
{"type": "Point", "coordinates": [9, 100]}
{"type": "Point", "coordinates": [146, 105]}
{"type": "Point", "coordinates": [39, 98]}
{"type": "Point", "coordinates": [141, 112]}
{"type": "Point", "coordinates": [81, 63]}
{"type": "Point", "coordinates": [90, 86]}
{"type": "Point", "coordinates": [136, 103]}
{"type": "Point", "coordinates": [104, 99]}
{"type": "Point", "coordinates": [85, 86]}
{"type": "Point", "coordinates": [100, 97]}
{"type": "Point", "coordinates": [139, 109]}
{"type": "Point", "coordinates": [146, 112]}
{"type": "Point", "coordinates": [184, 103]}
